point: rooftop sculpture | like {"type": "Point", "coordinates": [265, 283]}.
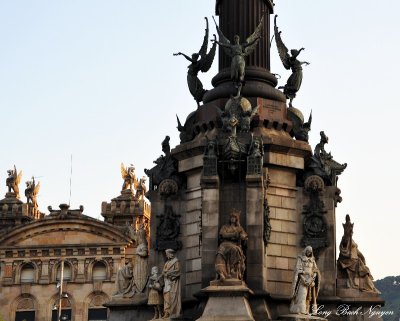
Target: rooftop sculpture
{"type": "Point", "coordinates": [238, 52]}
{"type": "Point", "coordinates": [13, 180]}
{"type": "Point", "coordinates": [31, 191]}
{"type": "Point", "coordinates": [203, 64]}
{"type": "Point", "coordinates": [290, 61]}
{"type": "Point", "coordinates": [129, 177]}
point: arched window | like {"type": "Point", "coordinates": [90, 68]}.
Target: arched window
{"type": "Point", "coordinates": [67, 276]}
{"type": "Point", "coordinates": [99, 271]}
{"type": "Point", "coordinates": [27, 273]}
{"type": "Point", "coordinates": [25, 310]}
{"type": "Point", "coordinates": [96, 310]}
{"type": "Point", "coordinates": [66, 309]}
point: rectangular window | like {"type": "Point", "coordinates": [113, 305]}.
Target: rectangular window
{"type": "Point", "coordinates": [25, 315]}
{"type": "Point", "coordinates": [65, 315]}
{"type": "Point", "coordinates": [97, 314]}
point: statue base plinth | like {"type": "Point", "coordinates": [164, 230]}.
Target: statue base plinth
{"type": "Point", "coordinates": [129, 309]}
{"type": "Point", "coordinates": [300, 317]}
{"type": "Point", "coordinates": [227, 301]}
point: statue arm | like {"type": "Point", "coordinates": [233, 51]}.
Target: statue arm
{"type": "Point", "coordinates": [225, 45]}
{"type": "Point", "coordinates": [182, 54]}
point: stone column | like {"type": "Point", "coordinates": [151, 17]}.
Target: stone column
{"type": "Point", "coordinates": [254, 229]}
{"type": "Point", "coordinates": [210, 226]}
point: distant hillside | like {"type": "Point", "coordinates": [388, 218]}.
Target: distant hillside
{"type": "Point", "coordinates": [390, 288]}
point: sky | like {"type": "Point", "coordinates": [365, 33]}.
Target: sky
{"type": "Point", "coordinates": [97, 80]}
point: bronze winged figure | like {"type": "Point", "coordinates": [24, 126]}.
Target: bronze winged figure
{"type": "Point", "coordinates": [200, 61]}
{"type": "Point", "coordinates": [238, 52]}
{"type": "Point", "coordinates": [290, 61]}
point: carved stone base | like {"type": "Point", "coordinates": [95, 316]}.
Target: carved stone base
{"type": "Point", "coordinates": [300, 317]}
{"type": "Point", "coordinates": [132, 309]}
{"type": "Point", "coordinates": [227, 302]}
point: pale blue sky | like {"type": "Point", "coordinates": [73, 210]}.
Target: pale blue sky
{"type": "Point", "coordinates": [97, 79]}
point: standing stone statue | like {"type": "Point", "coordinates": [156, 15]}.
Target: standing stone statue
{"type": "Point", "coordinates": [290, 62]}
{"type": "Point", "coordinates": [204, 64]}
{"type": "Point", "coordinates": [238, 52]}
{"type": "Point", "coordinates": [172, 285]}
{"type": "Point", "coordinates": [306, 284]}
{"type": "Point", "coordinates": [140, 269]}
{"type": "Point", "coordinates": [353, 261]}
{"type": "Point", "coordinates": [155, 292]}
{"type": "Point", "coordinates": [230, 260]}
{"type": "Point", "coordinates": [13, 180]}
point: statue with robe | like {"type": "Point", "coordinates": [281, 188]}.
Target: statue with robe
{"type": "Point", "coordinates": [306, 284]}
{"type": "Point", "coordinates": [352, 261]}
{"type": "Point", "coordinates": [172, 286]}
{"type": "Point", "coordinates": [230, 259]}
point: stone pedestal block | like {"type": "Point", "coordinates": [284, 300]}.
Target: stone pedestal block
{"type": "Point", "coordinates": [136, 309]}
{"type": "Point", "coordinates": [227, 303]}
{"type": "Point", "coordinates": [300, 317]}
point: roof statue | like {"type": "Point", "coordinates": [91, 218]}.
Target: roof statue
{"type": "Point", "coordinates": [13, 181]}
{"type": "Point", "coordinates": [129, 176]}
{"type": "Point", "coordinates": [31, 192]}
{"type": "Point", "coordinates": [238, 51]}
{"type": "Point", "coordinates": [290, 62]}
{"type": "Point", "coordinates": [203, 64]}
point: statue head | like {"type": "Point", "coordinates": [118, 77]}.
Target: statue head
{"type": "Point", "coordinates": [308, 251]}
{"type": "Point", "coordinates": [165, 145]}
{"type": "Point", "coordinates": [195, 56]}
{"type": "Point", "coordinates": [154, 270]}
{"type": "Point", "coordinates": [294, 52]}
{"type": "Point", "coordinates": [170, 253]}
{"type": "Point", "coordinates": [324, 138]}
{"type": "Point", "coordinates": [234, 217]}
{"type": "Point", "coordinates": [348, 226]}
{"type": "Point", "coordinates": [236, 39]}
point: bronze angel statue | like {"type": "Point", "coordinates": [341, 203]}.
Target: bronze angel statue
{"type": "Point", "coordinates": [13, 181]}
{"type": "Point", "coordinates": [290, 61]}
{"type": "Point", "coordinates": [203, 64]}
{"type": "Point", "coordinates": [238, 52]}
{"type": "Point", "coordinates": [31, 192]}
{"type": "Point", "coordinates": [129, 177]}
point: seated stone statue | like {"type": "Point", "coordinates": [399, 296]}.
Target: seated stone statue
{"type": "Point", "coordinates": [124, 282]}
{"type": "Point", "coordinates": [352, 261]}
{"type": "Point", "coordinates": [306, 284]}
{"type": "Point", "coordinates": [230, 260]}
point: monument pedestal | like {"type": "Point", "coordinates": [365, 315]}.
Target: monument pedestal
{"type": "Point", "coordinates": [228, 301]}
{"type": "Point", "coordinates": [300, 317]}
{"type": "Point", "coordinates": [129, 309]}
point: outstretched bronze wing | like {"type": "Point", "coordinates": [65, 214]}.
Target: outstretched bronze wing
{"type": "Point", "coordinates": [254, 38]}
{"type": "Point", "coordinates": [206, 62]}
{"type": "Point", "coordinates": [282, 50]}
{"type": "Point", "coordinates": [124, 172]}
{"type": "Point", "coordinates": [222, 39]}
{"type": "Point", "coordinates": [204, 46]}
